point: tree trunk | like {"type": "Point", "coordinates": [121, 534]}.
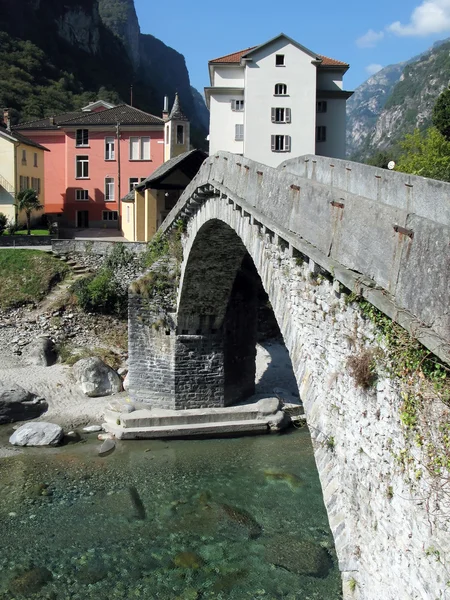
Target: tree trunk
{"type": "Point", "coordinates": [28, 223]}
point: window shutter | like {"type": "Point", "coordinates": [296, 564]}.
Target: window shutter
{"type": "Point", "coordinates": [287, 143]}
{"type": "Point", "coordinates": [272, 142]}
{"type": "Point", "coordinates": [233, 105]}
{"type": "Point", "coordinates": [134, 148]}
{"type": "Point", "coordinates": [288, 115]}
{"type": "Point", "coordinates": [145, 154]}
{"type": "Point", "coordinates": [274, 113]}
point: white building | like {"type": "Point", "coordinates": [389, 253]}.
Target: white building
{"type": "Point", "coordinates": [276, 101]}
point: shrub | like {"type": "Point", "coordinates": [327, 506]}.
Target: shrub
{"type": "Point", "coordinates": [120, 256]}
{"type": "Point", "coordinates": [362, 369]}
{"type": "Point", "coordinates": [101, 294]}
{"type": "Point", "coordinates": [3, 223]}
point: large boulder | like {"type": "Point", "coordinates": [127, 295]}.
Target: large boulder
{"type": "Point", "coordinates": [16, 404]}
{"type": "Point", "coordinates": [43, 352]}
{"type": "Point", "coordinates": [37, 434]}
{"type": "Point", "coordinates": [95, 378]}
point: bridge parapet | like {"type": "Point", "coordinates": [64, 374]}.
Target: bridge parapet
{"type": "Point", "coordinates": [379, 248]}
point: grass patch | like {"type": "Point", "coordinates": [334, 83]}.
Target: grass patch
{"type": "Point", "coordinates": [69, 355]}
{"type": "Point", "coordinates": [33, 232]}
{"type": "Point", "coordinates": [27, 276]}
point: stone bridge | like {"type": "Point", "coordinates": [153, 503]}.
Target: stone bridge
{"type": "Point", "coordinates": [311, 232]}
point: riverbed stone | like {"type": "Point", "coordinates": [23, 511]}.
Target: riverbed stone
{"type": "Point", "coordinates": [37, 434]}
{"type": "Point", "coordinates": [18, 404]}
{"type": "Point", "coordinates": [42, 352]}
{"type": "Point", "coordinates": [29, 581]}
{"type": "Point", "coordinates": [95, 378]}
{"type": "Point", "coordinates": [301, 557]}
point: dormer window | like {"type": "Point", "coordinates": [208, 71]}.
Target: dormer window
{"type": "Point", "coordinates": [82, 138]}
{"type": "Point", "coordinates": [280, 89]}
{"type": "Point", "coordinates": [279, 60]}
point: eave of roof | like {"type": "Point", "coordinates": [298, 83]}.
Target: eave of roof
{"type": "Point", "coordinates": [15, 136]}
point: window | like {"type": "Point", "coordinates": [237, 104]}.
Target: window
{"type": "Point", "coordinates": [280, 143]}
{"type": "Point", "coordinates": [237, 105]}
{"type": "Point", "coordinates": [128, 214]}
{"type": "Point", "coordinates": [24, 157]}
{"type": "Point", "coordinates": [82, 167]}
{"type": "Point", "coordinates": [35, 163]}
{"type": "Point", "coordinates": [167, 134]}
{"type": "Point", "coordinates": [321, 133]}
{"type": "Point", "coordinates": [280, 89]}
{"type": "Point", "coordinates": [109, 215]}
{"type": "Point", "coordinates": [81, 195]}
{"type": "Point", "coordinates": [24, 182]}
{"type": "Point", "coordinates": [239, 133]}
{"type": "Point", "coordinates": [281, 115]}
{"type": "Point", "coordinates": [139, 148]}
{"type": "Point", "coordinates": [109, 189]}
{"type": "Point", "coordinates": [279, 60]}
{"type": "Point", "coordinates": [82, 138]}
{"type": "Point", "coordinates": [322, 106]}
{"type": "Point", "coordinates": [133, 182]}
{"type": "Point", "coordinates": [110, 148]}
{"type": "Point", "coordinates": [180, 134]}
{"type": "Point", "coordinates": [36, 185]}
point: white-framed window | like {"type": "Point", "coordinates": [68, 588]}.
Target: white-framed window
{"type": "Point", "coordinates": [110, 148]}
{"type": "Point", "coordinates": [35, 161]}
{"type": "Point", "coordinates": [82, 167]}
{"type": "Point", "coordinates": [280, 115]}
{"type": "Point", "coordinates": [279, 60]}
{"type": "Point", "coordinates": [322, 106]}
{"type": "Point", "coordinates": [239, 133]}
{"type": "Point", "coordinates": [140, 148]}
{"type": "Point", "coordinates": [237, 105]}
{"type": "Point", "coordinates": [128, 214]}
{"type": "Point", "coordinates": [24, 182]}
{"type": "Point", "coordinates": [321, 133]}
{"type": "Point", "coordinates": [180, 134]}
{"type": "Point", "coordinates": [280, 143]}
{"type": "Point", "coordinates": [109, 215]}
{"type": "Point", "coordinates": [81, 195]}
{"type": "Point", "coordinates": [280, 89]}
{"type": "Point", "coordinates": [24, 157]}
{"type": "Point", "coordinates": [36, 185]}
{"type": "Point", "coordinates": [109, 189]}
{"type": "Point", "coordinates": [82, 138]}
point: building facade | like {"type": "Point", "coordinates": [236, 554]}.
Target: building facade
{"type": "Point", "coordinates": [96, 156]}
{"type": "Point", "coordinates": [21, 168]}
{"type": "Point", "coordinates": [276, 101]}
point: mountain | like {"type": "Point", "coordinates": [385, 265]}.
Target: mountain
{"type": "Point", "coordinates": [395, 101]}
{"type": "Point", "coordinates": [67, 54]}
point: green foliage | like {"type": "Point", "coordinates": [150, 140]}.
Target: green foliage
{"type": "Point", "coordinates": [28, 201]}
{"type": "Point", "coordinates": [441, 114]}
{"type": "Point", "coordinates": [390, 492]}
{"type": "Point", "coordinates": [330, 442]}
{"type": "Point", "coordinates": [381, 158]}
{"type": "Point", "coordinates": [27, 276]}
{"type": "Point", "coordinates": [101, 294]}
{"type": "Point", "coordinates": [165, 245]}
{"type": "Point", "coordinates": [3, 223]}
{"type": "Point", "coordinates": [426, 154]}
{"type": "Point", "coordinates": [352, 583]}
{"type": "Point", "coordinates": [119, 257]}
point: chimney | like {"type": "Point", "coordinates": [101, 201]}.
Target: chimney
{"type": "Point", "coordinates": [165, 114]}
{"type": "Point", "coordinates": [52, 120]}
{"type": "Point", "coordinates": [6, 119]}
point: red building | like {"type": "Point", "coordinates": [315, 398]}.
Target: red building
{"type": "Point", "coordinates": [97, 155]}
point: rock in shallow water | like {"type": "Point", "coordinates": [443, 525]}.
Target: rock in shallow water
{"type": "Point", "coordinates": [95, 378]}
{"type": "Point", "coordinates": [37, 434]}
{"type": "Point", "coordinates": [298, 556]}
{"type": "Point", "coordinates": [30, 582]}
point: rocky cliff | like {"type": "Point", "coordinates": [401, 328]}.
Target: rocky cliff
{"type": "Point", "coordinates": [395, 101]}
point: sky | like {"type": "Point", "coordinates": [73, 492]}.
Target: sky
{"type": "Point", "coordinates": [367, 35]}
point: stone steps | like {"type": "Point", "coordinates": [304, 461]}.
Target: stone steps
{"type": "Point", "coordinates": [250, 426]}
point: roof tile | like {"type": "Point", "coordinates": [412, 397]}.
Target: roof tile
{"type": "Point", "coordinates": [235, 57]}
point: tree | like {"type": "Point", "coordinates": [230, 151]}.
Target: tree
{"type": "Point", "coordinates": [3, 222]}
{"type": "Point", "coordinates": [425, 153]}
{"type": "Point", "coordinates": [441, 114]}
{"type": "Point", "coordinates": [28, 201]}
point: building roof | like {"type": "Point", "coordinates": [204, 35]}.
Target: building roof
{"type": "Point", "coordinates": [235, 57]}
{"type": "Point", "coordinates": [18, 137]}
{"type": "Point", "coordinates": [176, 113]}
{"type": "Point", "coordinates": [123, 114]}
{"type": "Point", "coordinates": [188, 162]}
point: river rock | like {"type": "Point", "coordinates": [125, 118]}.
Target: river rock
{"type": "Point", "coordinates": [42, 352]}
{"type": "Point", "coordinates": [298, 556]}
{"type": "Point", "coordinates": [126, 382]}
{"type": "Point", "coordinates": [37, 434]}
{"type": "Point", "coordinates": [280, 420]}
{"type": "Point", "coordinates": [268, 406]}
{"type": "Point", "coordinates": [29, 582]}
{"type": "Point", "coordinates": [92, 428]}
{"type": "Point", "coordinates": [95, 378]}
{"type": "Point", "coordinates": [17, 404]}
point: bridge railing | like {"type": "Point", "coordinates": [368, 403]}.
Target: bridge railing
{"type": "Point", "coordinates": [402, 257]}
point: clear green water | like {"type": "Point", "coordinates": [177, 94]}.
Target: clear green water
{"type": "Point", "coordinates": [234, 518]}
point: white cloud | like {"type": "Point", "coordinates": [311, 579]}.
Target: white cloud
{"type": "Point", "coordinates": [373, 68]}
{"type": "Point", "coordinates": [432, 16]}
{"type": "Point", "coordinates": [370, 39]}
